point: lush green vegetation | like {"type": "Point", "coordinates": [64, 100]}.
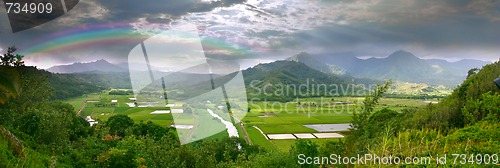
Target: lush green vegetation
{"type": "Point", "coordinates": [52, 135]}
{"type": "Point", "coordinates": [68, 85]}
{"type": "Point", "coordinates": [466, 122]}
{"type": "Point", "coordinates": [286, 80]}
{"type": "Point", "coordinates": [37, 130]}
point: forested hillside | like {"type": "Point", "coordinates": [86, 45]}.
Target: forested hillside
{"type": "Point", "coordinates": [466, 122]}
{"type": "Point", "coordinates": [68, 85]}
{"type": "Point", "coordinates": [59, 86]}
{"type": "Point", "coordinates": [286, 80]}
{"type": "Point", "coordinates": [117, 80]}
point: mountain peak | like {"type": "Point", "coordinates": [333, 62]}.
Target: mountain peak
{"type": "Point", "coordinates": [98, 62]}
{"type": "Point", "coordinates": [101, 61]}
{"type": "Point", "coordinates": [401, 54]}
{"type": "Point", "coordinates": [98, 65]}
{"type": "Point", "coordinates": [305, 58]}
{"type": "Point", "coordinates": [300, 57]}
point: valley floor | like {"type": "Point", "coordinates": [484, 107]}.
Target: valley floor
{"type": "Point", "coordinates": [263, 125]}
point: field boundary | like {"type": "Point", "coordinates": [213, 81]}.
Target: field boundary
{"type": "Point", "coordinates": [261, 132]}
{"type": "Point", "coordinates": [305, 136]}
{"type": "Point", "coordinates": [83, 106]}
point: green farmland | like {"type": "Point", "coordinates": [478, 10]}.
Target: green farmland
{"type": "Point", "coordinates": [283, 118]}
{"type": "Point", "coordinates": [99, 112]}
{"type": "Point", "coordinates": [270, 117]}
{"type": "Point", "coordinates": [275, 117]}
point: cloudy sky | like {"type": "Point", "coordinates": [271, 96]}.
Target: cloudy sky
{"type": "Point", "coordinates": [256, 31]}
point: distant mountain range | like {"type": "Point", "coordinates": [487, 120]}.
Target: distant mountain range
{"type": "Point", "coordinates": [404, 66]}
{"type": "Point", "coordinates": [398, 66]}
{"type": "Point", "coordinates": [99, 65]}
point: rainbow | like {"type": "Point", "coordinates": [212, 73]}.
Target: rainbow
{"type": "Point", "coordinates": [103, 34]}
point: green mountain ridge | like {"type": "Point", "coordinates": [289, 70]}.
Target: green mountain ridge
{"type": "Point", "coordinates": [306, 59]}
{"type": "Point", "coordinates": [290, 75]}
{"type": "Point", "coordinates": [63, 85]}
{"type": "Point", "coordinates": [98, 65]}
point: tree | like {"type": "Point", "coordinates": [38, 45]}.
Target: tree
{"type": "Point", "coordinates": [116, 158]}
{"type": "Point", "coordinates": [383, 116]}
{"type": "Point", "coordinates": [9, 78]}
{"type": "Point", "coordinates": [149, 128]}
{"type": "Point", "coordinates": [119, 123]}
{"type": "Point", "coordinates": [471, 72]}
{"type": "Point", "coordinates": [304, 147]}
{"type": "Point", "coordinates": [9, 84]}
{"type": "Point", "coordinates": [361, 125]}
{"type": "Point", "coordinates": [11, 59]}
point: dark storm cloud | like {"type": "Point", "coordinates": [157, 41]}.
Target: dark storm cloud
{"type": "Point", "coordinates": [455, 29]}
{"type": "Point", "coordinates": [473, 33]}
{"type": "Point", "coordinates": [444, 29]}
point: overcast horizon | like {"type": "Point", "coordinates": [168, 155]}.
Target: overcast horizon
{"type": "Point", "coordinates": [244, 65]}
{"type": "Point", "coordinates": [252, 32]}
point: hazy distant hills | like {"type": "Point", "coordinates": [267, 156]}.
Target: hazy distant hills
{"type": "Point", "coordinates": [99, 65]}
{"type": "Point", "coordinates": [462, 66]}
{"type": "Point", "coordinates": [404, 66]}
{"type": "Point", "coordinates": [398, 66]}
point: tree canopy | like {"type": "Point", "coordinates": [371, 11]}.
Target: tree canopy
{"type": "Point", "coordinates": [11, 59]}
